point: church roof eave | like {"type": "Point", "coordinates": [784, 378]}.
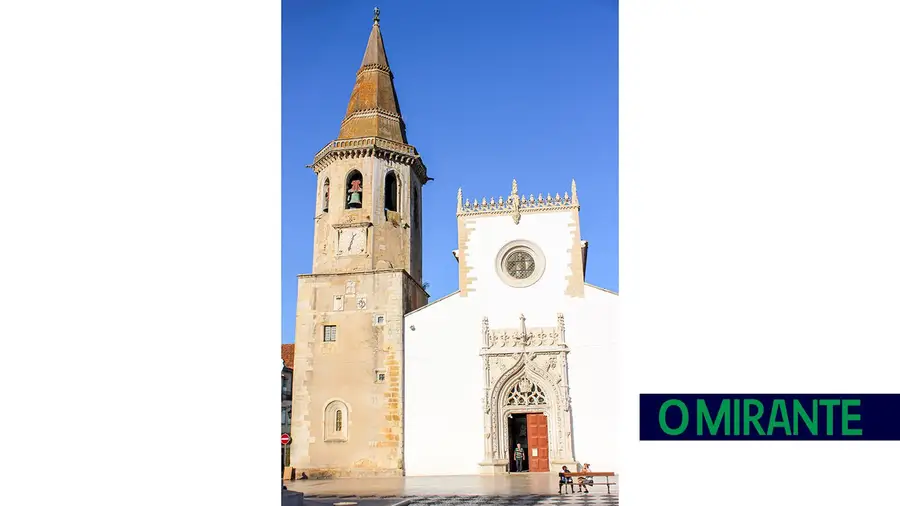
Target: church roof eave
{"type": "Point", "coordinates": [602, 289]}
{"type": "Point", "coordinates": [445, 297]}
{"type": "Point", "coordinates": [449, 295]}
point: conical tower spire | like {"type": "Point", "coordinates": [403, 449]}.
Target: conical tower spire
{"type": "Point", "coordinates": [373, 110]}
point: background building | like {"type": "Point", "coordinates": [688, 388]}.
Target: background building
{"type": "Point", "coordinates": [287, 382]}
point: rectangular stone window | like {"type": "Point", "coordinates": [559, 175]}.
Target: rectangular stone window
{"type": "Point", "coordinates": [330, 333]}
{"type": "Point", "coordinates": [338, 303]}
{"type": "Point", "coordinates": [379, 319]}
{"type": "Point", "coordinates": [380, 375]}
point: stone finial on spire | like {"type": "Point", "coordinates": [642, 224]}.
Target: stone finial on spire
{"type": "Point", "coordinates": [515, 188]}
{"type": "Point", "coordinates": [459, 204]}
{"type": "Point", "coordinates": [574, 194]}
{"type": "Point", "coordinates": [376, 17]}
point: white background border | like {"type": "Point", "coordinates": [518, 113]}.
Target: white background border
{"type": "Point", "coordinates": [140, 161]}
{"type": "Point", "coordinates": [139, 201]}
{"type": "Point", "coordinates": [759, 250]}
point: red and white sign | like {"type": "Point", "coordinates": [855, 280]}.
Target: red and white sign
{"type": "Point", "coordinates": [285, 439]}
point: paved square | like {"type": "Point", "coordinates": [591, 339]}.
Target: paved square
{"type": "Point", "coordinates": [525, 489]}
{"type": "Point", "coordinates": [507, 500]}
{"type": "Point", "coordinates": [462, 500]}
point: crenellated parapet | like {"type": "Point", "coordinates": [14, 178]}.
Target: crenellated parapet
{"type": "Point", "coordinates": [515, 204]}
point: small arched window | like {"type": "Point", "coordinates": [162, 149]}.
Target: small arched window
{"type": "Point", "coordinates": [391, 191]}
{"type": "Point", "coordinates": [336, 421]}
{"type": "Point", "coordinates": [354, 198]}
{"type": "Point", "coordinates": [326, 193]}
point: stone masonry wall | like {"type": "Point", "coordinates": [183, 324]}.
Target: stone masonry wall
{"type": "Point", "coordinates": [465, 226]}
{"type": "Point", "coordinates": [369, 341]}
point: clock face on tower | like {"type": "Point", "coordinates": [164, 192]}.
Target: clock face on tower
{"type": "Point", "coordinates": [351, 241]}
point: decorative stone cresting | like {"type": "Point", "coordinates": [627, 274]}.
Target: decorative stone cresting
{"type": "Point", "coordinates": [515, 205]}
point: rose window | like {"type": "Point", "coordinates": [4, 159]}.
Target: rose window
{"type": "Point", "coordinates": [519, 264]}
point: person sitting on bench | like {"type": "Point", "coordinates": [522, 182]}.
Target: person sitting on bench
{"type": "Point", "coordinates": [585, 481]}
{"type": "Point", "coordinates": [565, 480]}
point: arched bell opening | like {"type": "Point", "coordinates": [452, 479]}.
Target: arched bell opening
{"type": "Point", "coordinates": [354, 190]}
{"type": "Point", "coordinates": [326, 193]}
{"type": "Point", "coordinates": [391, 192]}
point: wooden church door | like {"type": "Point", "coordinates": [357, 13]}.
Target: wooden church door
{"type": "Point", "coordinates": [538, 443]}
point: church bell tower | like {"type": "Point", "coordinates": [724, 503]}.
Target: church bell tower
{"type": "Point", "coordinates": [366, 274]}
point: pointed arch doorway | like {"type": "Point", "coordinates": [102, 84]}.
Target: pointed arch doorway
{"type": "Point", "coordinates": [526, 398]}
{"type": "Point", "coordinates": [529, 430]}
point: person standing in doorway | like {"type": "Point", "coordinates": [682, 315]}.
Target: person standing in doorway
{"type": "Point", "coordinates": [519, 456]}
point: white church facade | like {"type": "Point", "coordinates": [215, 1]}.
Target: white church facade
{"type": "Point", "coordinates": [387, 384]}
{"type": "Point", "coordinates": [523, 353]}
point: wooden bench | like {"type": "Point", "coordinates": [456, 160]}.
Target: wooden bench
{"type": "Point", "coordinates": [604, 474]}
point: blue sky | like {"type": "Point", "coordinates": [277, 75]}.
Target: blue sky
{"type": "Point", "coordinates": [490, 91]}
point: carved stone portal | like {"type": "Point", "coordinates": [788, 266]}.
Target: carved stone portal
{"type": "Point", "coordinates": [525, 371]}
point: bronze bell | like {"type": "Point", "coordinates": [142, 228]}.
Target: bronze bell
{"type": "Point", "coordinates": [355, 200]}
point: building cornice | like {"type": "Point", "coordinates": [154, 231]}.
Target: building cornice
{"type": "Point", "coordinates": [367, 271]}
{"type": "Point", "coordinates": [370, 146]}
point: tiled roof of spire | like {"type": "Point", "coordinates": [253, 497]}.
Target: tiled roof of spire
{"type": "Point", "coordinates": [373, 110]}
